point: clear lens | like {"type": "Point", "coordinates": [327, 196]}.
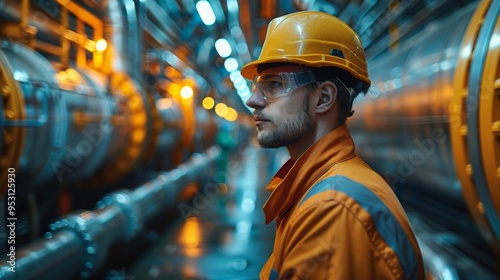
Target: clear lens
{"type": "Point", "coordinates": [273, 86]}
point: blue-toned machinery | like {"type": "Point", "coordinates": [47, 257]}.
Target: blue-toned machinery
{"type": "Point", "coordinates": [430, 126]}
{"type": "Point", "coordinates": [94, 115]}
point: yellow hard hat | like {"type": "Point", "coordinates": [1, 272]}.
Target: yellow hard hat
{"type": "Point", "coordinates": [313, 39]}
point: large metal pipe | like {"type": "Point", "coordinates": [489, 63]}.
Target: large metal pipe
{"type": "Point", "coordinates": [64, 246]}
{"type": "Point", "coordinates": [429, 125]}
{"type": "Point", "coordinates": [130, 39]}
{"type": "Point", "coordinates": [407, 102]}
{"type": "Point", "coordinates": [78, 243]}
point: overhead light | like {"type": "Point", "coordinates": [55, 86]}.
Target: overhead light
{"type": "Point", "coordinates": [186, 92]}
{"type": "Point", "coordinates": [206, 12]}
{"type": "Point", "coordinates": [223, 48]}
{"type": "Point", "coordinates": [235, 76]}
{"type": "Point", "coordinates": [232, 6]}
{"type": "Point", "coordinates": [240, 85]}
{"type": "Point", "coordinates": [101, 45]}
{"type": "Point", "coordinates": [231, 64]}
{"type": "Point", "coordinates": [244, 94]}
{"type": "Point", "coordinates": [164, 103]}
{"type": "Point", "coordinates": [221, 109]}
{"type": "Point", "coordinates": [231, 114]}
{"type": "Point", "coordinates": [208, 103]}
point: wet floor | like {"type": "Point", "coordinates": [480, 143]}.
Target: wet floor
{"type": "Point", "coordinates": [226, 237]}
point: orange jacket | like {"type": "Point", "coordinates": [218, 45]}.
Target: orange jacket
{"type": "Point", "coordinates": [337, 219]}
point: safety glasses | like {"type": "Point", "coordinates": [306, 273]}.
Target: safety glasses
{"type": "Point", "coordinates": [276, 85]}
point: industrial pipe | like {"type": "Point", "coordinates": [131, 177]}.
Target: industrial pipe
{"type": "Point", "coordinates": [79, 242]}
{"type": "Point", "coordinates": [430, 126]}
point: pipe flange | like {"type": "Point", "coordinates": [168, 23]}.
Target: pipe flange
{"type": "Point", "coordinates": [122, 200]}
{"type": "Point", "coordinates": [12, 107]}
{"type": "Point", "coordinates": [472, 121]}
{"type": "Point", "coordinates": [78, 225]}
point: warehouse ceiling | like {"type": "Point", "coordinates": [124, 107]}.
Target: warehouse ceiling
{"type": "Point", "coordinates": [380, 24]}
{"type": "Point", "coordinates": [172, 30]}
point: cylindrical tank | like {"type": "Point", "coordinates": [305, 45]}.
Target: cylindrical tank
{"type": "Point", "coordinates": [429, 126]}
{"type": "Point", "coordinates": [31, 103]}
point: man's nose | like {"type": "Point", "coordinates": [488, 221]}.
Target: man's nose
{"type": "Point", "coordinates": [256, 100]}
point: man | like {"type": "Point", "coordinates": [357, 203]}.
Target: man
{"type": "Point", "coordinates": [336, 218]}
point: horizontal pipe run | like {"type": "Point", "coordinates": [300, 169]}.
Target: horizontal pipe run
{"type": "Point", "coordinates": [79, 242]}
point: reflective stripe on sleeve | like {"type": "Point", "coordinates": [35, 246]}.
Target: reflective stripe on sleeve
{"type": "Point", "coordinates": [274, 275]}
{"type": "Point", "coordinates": [386, 224]}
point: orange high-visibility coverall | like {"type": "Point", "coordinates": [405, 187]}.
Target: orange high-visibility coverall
{"type": "Point", "coordinates": [338, 219]}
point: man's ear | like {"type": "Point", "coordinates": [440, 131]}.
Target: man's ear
{"type": "Point", "coordinates": [327, 98]}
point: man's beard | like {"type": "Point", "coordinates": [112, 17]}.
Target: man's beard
{"type": "Point", "coordinates": [289, 132]}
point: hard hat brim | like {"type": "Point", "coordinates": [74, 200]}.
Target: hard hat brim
{"type": "Point", "coordinates": [249, 70]}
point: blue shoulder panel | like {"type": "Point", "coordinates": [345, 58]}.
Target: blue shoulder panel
{"type": "Point", "coordinates": [386, 224]}
{"type": "Point", "coordinates": [274, 275]}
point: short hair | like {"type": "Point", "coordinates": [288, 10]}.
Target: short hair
{"type": "Point", "coordinates": [342, 80]}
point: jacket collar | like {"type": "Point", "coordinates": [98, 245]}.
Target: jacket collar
{"type": "Point", "coordinates": [293, 179]}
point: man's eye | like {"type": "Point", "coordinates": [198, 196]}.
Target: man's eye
{"type": "Point", "coordinates": [274, 84]}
